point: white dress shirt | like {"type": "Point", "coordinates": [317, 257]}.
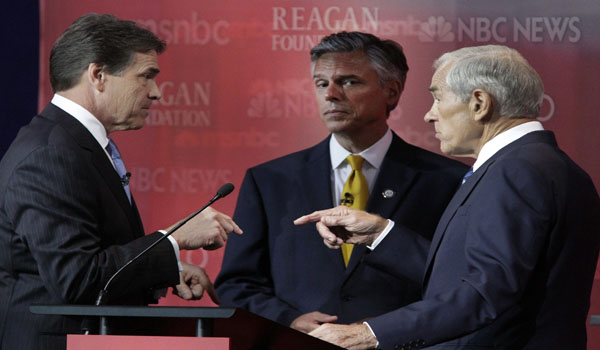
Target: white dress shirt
{"type": "Point", "coordinates": [370, 168]}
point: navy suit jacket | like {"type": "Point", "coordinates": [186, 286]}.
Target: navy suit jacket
{"type": "Point", "coordinates": [281, 271]}
{"type": "Point", "coordinates": [66, 226]}
{"type": "Point", "coordinates": [512, 260]}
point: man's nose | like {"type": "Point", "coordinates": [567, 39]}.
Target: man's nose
{"type": "Point", "coordinates": [429, 117]}
{"type": "Point", "coordinates": [333, 93]}
{"type": "Point", "coordinates": [155, 93]}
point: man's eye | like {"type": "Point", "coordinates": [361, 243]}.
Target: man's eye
{"type": "Point", "coordinates": [320, 84]}
{"type": "Point", "coordinates": [349, 82]}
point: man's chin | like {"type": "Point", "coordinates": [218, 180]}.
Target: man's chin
{"type": "Point", "coordinates": [449, 151]}
{"type": "Point", "coordinates": [140, 120]}
{"type": "Point", "coordinates": [336, 126]}
{"type": "Point", "coordinates": [133, 126]}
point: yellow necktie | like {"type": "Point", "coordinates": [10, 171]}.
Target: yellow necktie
{"type": "Point", "coordinates": [354, 195]}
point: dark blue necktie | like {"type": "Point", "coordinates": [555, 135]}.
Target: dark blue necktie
{"type": "Point", "coordinates": [469, 173]}
{"type": "Point", "coordinates": [114, 153]}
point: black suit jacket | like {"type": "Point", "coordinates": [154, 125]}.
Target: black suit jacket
{"type": "Point", "coordinates": [66, 226]}
{"type": "Point", "coordinates": [281, 271]}
{"type": "Point", "coordinates": [512, 261]}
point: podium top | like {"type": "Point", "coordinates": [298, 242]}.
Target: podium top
{"type": "Point", "coordinates": [246, 330]}
{"type": "Point", "coordinates": [133, 311]}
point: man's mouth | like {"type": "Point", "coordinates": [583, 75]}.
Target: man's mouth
{"type": "Point", "coordinates": [334, 112]}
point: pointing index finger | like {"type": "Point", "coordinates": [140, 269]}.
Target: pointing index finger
{"type": "Point", "coordinates": [317, 215]}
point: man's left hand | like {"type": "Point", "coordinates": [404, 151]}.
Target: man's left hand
{"type": "Point", "coordinates": [353, 337]}
{"type": "Point", "coordinates": [193, 283]}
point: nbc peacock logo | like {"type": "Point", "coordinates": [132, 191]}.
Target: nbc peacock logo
{"type": "Point", "coordinates": [436, 29]}
{"type": "Point", "coordinates": [265, 105]}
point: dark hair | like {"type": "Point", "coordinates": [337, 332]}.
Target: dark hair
{"type": "Point", "coordinates": [386, 56]}
{"type": "Point", "coordinates": [102, 39]}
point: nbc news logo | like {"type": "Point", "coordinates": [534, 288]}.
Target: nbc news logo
{"type": "Point", "coordinates": [502, 29]}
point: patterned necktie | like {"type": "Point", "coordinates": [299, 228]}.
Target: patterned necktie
{"type": "Point", "coordinates": [354, 195]}
{"type": "Point", "coordinates": [113, 151]}
{"type": "Point", "coordinates": [469, 173]}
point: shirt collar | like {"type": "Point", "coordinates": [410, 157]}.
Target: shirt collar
{"type": "Point", "coordinates": [91, 123]}
{"type": "Point", "coordinates": [503, 139]}
{"type": "Point", "coordinates": [373, 155]}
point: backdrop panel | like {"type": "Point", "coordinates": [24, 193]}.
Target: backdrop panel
{"type": "Point", "coordinates": [237, 90]}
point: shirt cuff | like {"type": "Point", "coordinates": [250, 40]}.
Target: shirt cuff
{"type": "Point", "coordinates": [371, 329]}
{"type": "Point", "coordinates": [383, 234]}
{"type": "Point", "coordinates": [175, 248]}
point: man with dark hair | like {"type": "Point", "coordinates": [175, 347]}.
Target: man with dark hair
{"type": "Point", "coordinates": [513, 258]}
{"type": "Point", "coordinates": [68, 219]}
{"type": "Point", "coordinates": [283, 272]}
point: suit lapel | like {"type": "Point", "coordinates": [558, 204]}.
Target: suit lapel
{"type": "Point", "coordinates": [457, 200]}
{"type": "Point", "coordinates": [314, 178]}
{"type": "Point", "coordinates": [395, 179]}
{"type": "Point", "coordinates": [99, 158]}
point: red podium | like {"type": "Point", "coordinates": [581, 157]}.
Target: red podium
{"type": "Point", "coordinates": [197, 327]}
{"type": "Point", "coordinates": [129, 342]}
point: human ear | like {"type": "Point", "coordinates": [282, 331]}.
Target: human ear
{"type": "Point", "coordinates": [96, 76]}
{"type": "Point", "coordinates": [480, 104]}
{"type": "Point", "coordinates": [394, 90]}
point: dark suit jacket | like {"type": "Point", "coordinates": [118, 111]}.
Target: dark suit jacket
{"type": "Point", "coordinates": [281, 271]}
{"type": "Point", "coordinates": [66, 226]}
{"type": "Point", "coordinates": [512, 261]}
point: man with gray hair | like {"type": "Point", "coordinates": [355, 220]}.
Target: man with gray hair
{"type": "Point", "coordinates": [513, 257]}
{"type": "Point", "coordinates": [284, 272]}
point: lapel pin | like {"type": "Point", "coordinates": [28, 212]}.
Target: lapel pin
{"type": "Point", "coordinates": [388, 193]}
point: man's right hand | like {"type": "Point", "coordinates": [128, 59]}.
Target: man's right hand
{"type": "Point", "coordinates": [308, 322]}
{"type": "Point", "coordinates": [208, 230]}
{"type": "Point", "coordinates": [345, 225]}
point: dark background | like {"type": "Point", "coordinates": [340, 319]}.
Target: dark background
{"type": "Point", "coordinates": [19, 55]}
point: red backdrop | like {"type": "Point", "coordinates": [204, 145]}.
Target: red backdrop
{"type": "Point", "coordinates": [237, 90]}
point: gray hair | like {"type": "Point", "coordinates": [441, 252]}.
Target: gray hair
{"type": "Point", "coordinates": [386, 56]}
{"type": "Point", "coordinates": [102, 39]}
{"type": "Point", "coordinates": [514, 85]}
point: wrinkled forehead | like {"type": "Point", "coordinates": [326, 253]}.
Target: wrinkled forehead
{"type": "Point", "coordinates": [342, 62]}
{"type": "Point", "coordinates": [438, 80]}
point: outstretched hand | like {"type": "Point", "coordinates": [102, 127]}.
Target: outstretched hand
{"type": "Point", "coordinates": [345, 225]}
{"type": "Point", "coordinates": [208, 230]}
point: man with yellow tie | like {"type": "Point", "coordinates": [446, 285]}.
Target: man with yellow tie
{"type": "Point", "coordinates": [284, 272]}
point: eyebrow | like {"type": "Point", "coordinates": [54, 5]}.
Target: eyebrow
{"type": "Point", "coordinates": [338, 77]}
{"type": "Point", "coordinates": [433, 88]}
{"type": "Point", "coordinates": [153, 70]}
